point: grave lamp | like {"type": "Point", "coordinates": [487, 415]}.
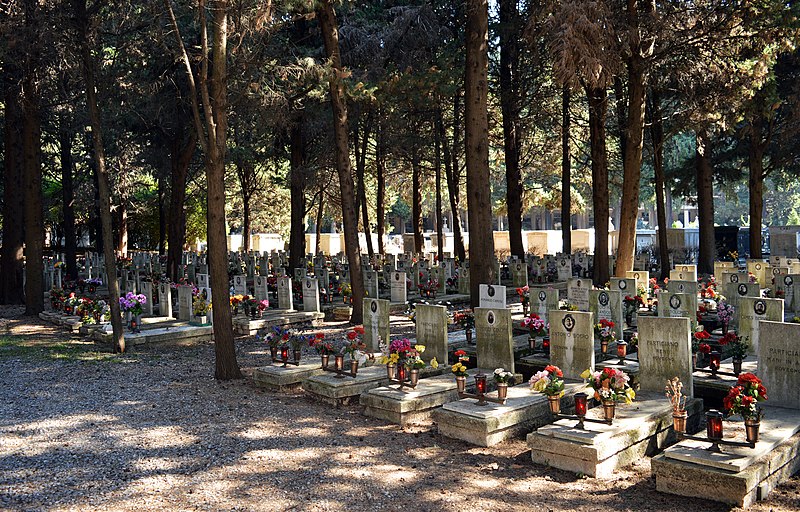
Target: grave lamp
{"type": "Point", "coordinates": [714, 425]}
{"type": "Point", "coordinates": [546, 345]}
{"type": "Point", "coordinates": [285, 353]}
{"type": "Point", "coordinates": [480, 384]}
{"type": "Point", "coordinates": [622, 351]}
{"type": "Point", "coordinates": [714, 360]}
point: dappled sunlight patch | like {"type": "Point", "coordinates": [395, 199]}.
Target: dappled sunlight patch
{"type": "Point", "coordinates": [266, 430]}
{"type": "Point", "coordinates": [288, 459]}
{"type": "Point", "coordinates": [388, 475]}
{"type": "Point", "coordinates": [160, 464]}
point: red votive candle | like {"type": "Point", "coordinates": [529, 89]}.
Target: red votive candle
{"type": "Point", "coordinates": [546, 344]}
{"type": "Point", "coordinates": [622, 348]}
{"type": "Point", "coordinates": [714, 360]}
{"type": "Point", "coordinates": [580, 404]}
{"type": "Point", "coordinates": [714, 425]}
{"type": "Point", "coordinates": [401, 372]}
{"type": "Point", "coordinates": [480, 383]}
{"type": "Point", "coordinates": [285, 353]}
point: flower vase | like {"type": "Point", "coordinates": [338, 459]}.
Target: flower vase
{"type": "Point", "coordinates": [724, 328]}
{"type": "Point", "coordinates": [609, 409]}
{"type": "Point", "coordinates": [325, 358]}
{"type": "Point", "coordinates": [751, 426]}
{"type": "Point", "coordinates": [391, 371]}
{"type": "Point", "coordinates": [461, 384]}
{"type": "Point", "coordinates": [338, 363]}
{"type": "Point", "coordinates": [555, 403]}
{"type": "Point", "coordinates": [525, 308]}
{"type": "Point", "coordinates": [273, 352]}
{"type": "Point", "coordinates": [532, 342]}
{"type": "Point", "coordinates": [136, 323]}
{"type": "Point", "coordinates": [354, 366]}
{"type": "Point", "coordinates": [629, 319]}
{"type": "Point", "coordinates": [296, 354]}
{"type": "Point", "coordinates": [469, 336]}
{"type": "Point", "coordinates": [694, 361]}
{"type": "Point", "coordinates": [679, 421]}
{"type": "Point", "coordinates": [502, 390]}
{"type": "Point", "coordinates": [414, 377]}
{"type": "Point", "coordinates": [737, 365]}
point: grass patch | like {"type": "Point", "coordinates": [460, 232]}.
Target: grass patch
{"type": "Point", "coordinates": [21, 347]}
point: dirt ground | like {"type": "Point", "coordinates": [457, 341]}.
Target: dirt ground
{"type": "Point", "coordinates": [83, 429]}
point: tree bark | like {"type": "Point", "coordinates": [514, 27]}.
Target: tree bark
{"type": "Point", "coordinates": [181, 154]}
{"type": "Point", "coordinates": [510, 107]}
{"type": "Point", "coordinates": [246, 220]}
{"type": "Point", "coordinates": [297, 193]}
{"type": "Point", "coordinates": [32, 168]}
{"type": "Point", "coordinates": [453, 178]}
{"type": "Point", "coordinates": [416, 204]}
{"type": "Point", "coordinates": [361, 169]}
{"type": "Point", "coordinates": [320, 211]}
{"type": "Point", "coordinates": [84, 35]}
{"type": "Point", "coordinates": [380, 199]}
{"type": "Point", "coordinates": [657, 136]}
{"type": "Point", "coordinates": [330, 37]}
{"type": "Point", "coordinates": [755, 158]}
{"type": "Point", "coordinates": [68, 199]}
{"type": "Point", "coordinates": [705, 202]}
{"type": "Point", "coordinates": [566, 172]}
{"type": "Point", "coordinates": [122, 227]}
{"type": "Point", "coordinates": [437, 164]}
{"type": "Point", "coordinates": [598, 106]}
{"type": "Point", "coordinates": [162, 217]}
{"type": "Point", "coordinates": [476, 143]}
{"type": "Point", "coordinates": [11, 258]}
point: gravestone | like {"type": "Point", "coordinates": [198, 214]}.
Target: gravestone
{"type": "Point", "coordinates": [310, 295]}
{"type": "Point", "coordinates": [164, 300]}
{"type": "Point", "coordinates": [431, 325]}
{"type": "Point", "coordinates": [544, 301]}
{"type": "Point", "coordinates": [665, 351]}
{"type": "Point", "coordinates": [626, 286]}
{"type": "Point", "coordinates": [299, 274]}
{"type": "Point", "coordinates": [398, 287]}
{"type": "Point", "coordinates": [437, 273]}
{"type": "Point", "coordinates": [578, 292]}
{"type": "Point", "coordinates": [779, 362]}
{"type": "Point", "coordinates": [463, 279]}
{"type": "Point", "coordinates": [519, 273]}
{"type": "Point", "coordinates": [324, 277]}
{"type": "Point", "coordinates": [723, 266]}
{"type": "Point", "coordinates": [784, 289]}
{"type": "Point", "coordinates": [203, 281]}
{"type": "Point", "coordinates": [751, 311]}
{"type": "Point", "coordinates": [495, 343]}
{"type": "Point", "coordinates": [572, 342]}
{"type": "Point", "coordinates": [607, 305]}
{"type": "Point", "coordinates": [285, 299]}
{"type": "Point", "coordinates": [678, 286]}
{"type": "Point", "coordinates": [684, 272]}
{"type": "Point", "coordinates": [564, 269]}
{"type": "Point", "coordinates": [642, 279]}
{"type": "Point", "coordinates": [492, 296]}
{"type": "Point", "coordinates": [376, 323]}
{"type": "Point", "coordinates": [240, 285]}
{"type": "Point", "coordinates": [146, 288]}
{"type": "Point", "coordinates": [261, 291]}
{"type": "Point", "coordinates": [371, 284]}
{"type": "Point", "coordinates": [678, 305]}
{"type": "Point", "coordinates": [184, 303]}
{"type": "Point", "coordinates": [758, 269]}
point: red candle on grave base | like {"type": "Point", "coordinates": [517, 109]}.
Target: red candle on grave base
{"type": "Point", "coordinates": [546, 344]}
{"type": "Point", "coordinates": [401, 372]}
{"type": "Point", "coordinates": [480, 384]}
{"type": "Point", "coordinates": [714, 359]}
{"type": "Point", "coordinates": [285, 353]}
{"type": "Point", "coordinates": [714, 425]}
{"type": "Point", "coordinates": [580, 404]}
{"type": "Point", "coordinates": [622, 348]}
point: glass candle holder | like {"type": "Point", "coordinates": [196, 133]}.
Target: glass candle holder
{"type": "Point", "coordinates": [480, 384]}
{"type": "Point", "coordinates": [714, 360]}
{"type": "Point", "coordinates": [714, 425]}
{"type": "Point", "coordinates": [285, 353]}
{"type": "Point", "coordinates": [581, 404]}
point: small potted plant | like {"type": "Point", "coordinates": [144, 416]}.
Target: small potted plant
{"type": "Point", "coordinates": [550, 382]}
{"type": "Point", "coordinates": [537, 328]}
{"type": "Point", "coordinates": [200, 309]}
{"type": "Point", "coordinates": [737, 348]}
{"type": "Point", "coordinates": [502, 378]}
{"type": "Point", "coordinates": [674, 389]}
{"type": "Point", "coordinates": [742, 399]}
{"type": "Point", "coordinates": [524, 293]}
{"type": "Point", "coordinates": [605, 331]}
{"type": "Point", "coordinates": [466, 319]}
{"type": "Point", "coordinates": [610, 386]}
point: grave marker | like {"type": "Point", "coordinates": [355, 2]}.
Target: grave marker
{"type": "Point", "coordinates": [751, 311]}
{"type": "Point", "coordinates": [398, 287]}
{"type": "Point", "coordinates": [310, 295]}
{"type": "Point", "coordinates": [431, 326]}
{"type": "Point", "coordinates": [665, 351]}
{"type": "Point", "coordinates": [578, 292]}
{"type": "Point", "coordinates": [495, 343]}
{"type": "Point", "coordinates": [492, 296]}
{"type": "Point", "coordinates": [572, 342]}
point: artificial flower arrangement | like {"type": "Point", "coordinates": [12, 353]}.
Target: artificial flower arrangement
{"type": "Point", "coordinates": [236, 300]}
{"type": "Point", "coordinates": [354, 346]}
{"type": "Point", "coordinates": [610, 384]}
{"type": "Point", "coordinates": [743, 398]}
{"type": "Point", "coordinates": [318, 343]}
{"type": "Point", "coordinates": [674, 391]}
{"type": "Point", "coordinates": [401, 352]}
{"type": "Point", "coordinates": [132, 303]}
{"type": "Point", "coordinates": [535, 325]}
{"type": "Point", "coordinates": [566, 305]}
{"type": "Point", "coordinates": [737, 345]}
{"type": "Point", "coordinates": [633, 303]}
{"type": "Point", "coordinates": [725, 312]}
{"type": "Point", "coordinates": [524, 294]}
{"type": "Point", "coordinates": [465, 318]}
{"type": "Point", "coordinates": [431, 285]}
{"type": "Point", "coordinates": [502, 376]}
{"type": "Point", "coordinates": [95, 281]}
{"type": "Point", "coordinates": [199, 306]}
{"type": "Point", "coordinates": [549, 382]}
{"type": "Point", "coordinates": [263, 304]}
{"type": "Point", "coordinates": [698, 341]}
{"type": "Point", "coordinates": [605, 330]}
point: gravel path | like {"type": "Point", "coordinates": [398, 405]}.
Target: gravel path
{"type": "Point", "coordinates": [153, 430]}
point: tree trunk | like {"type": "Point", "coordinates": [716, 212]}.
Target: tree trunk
{"type": "Point", "coordinates": [510, 106]}
{"type": "Point", "coordinates": [180, 158]}
{"type": "Point", "coordinates": [437, 164]}
{"type": "Point", "coordinates": [297, 193]}
{"type": "Point", "coordinates": [416, 204]}
{"type": "Point", "coordinates": [11, 257]}
{"type": "Point", "coordinates": [330, 37]}
{"type": "Point", "coordinates": [320, 211]}
{"type": "Point", "coordinates": [705, 203]}
{"type": "Point", "coordinates": [162, 218]}
{"type": "Point", "coordinates": [361, 169]}
{"type": "Point", "coordinates": [84, 35]}
{"type": "Point", "coordinates": [380, 199]}
{"type": "Point", "coordinates": [755, 157]}
{"type": "Point", "coordinates": [453, 187]}
{"type": "Point", "coordinates": [632, 167]}
{"type": "Point", "coordinates": [68, 199]}
{"type": "Point", "coordinates": [598, 107]}
{"type": "Point", "coordinates": [122, 227]}
{"type": "Point", "coordinates": [657, 135]}
{"type": "Point", "coordinates": [32, 168]}
{"type": "Point", "coordinates": [246, 216]}
{"type": "Point", "coordinates": [566, 171]}
{"type": "Point", "coordinates": [476, 124]}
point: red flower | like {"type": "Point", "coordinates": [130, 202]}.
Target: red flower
{"type": "Point", "coordinates": [554, 370]}
{"type": "Point", "coordinates": [748, 378]}
{"type": "Point", "coordinates": [359, 329]}
{"type": "Point", "coordinates": [320, 335]}
{"type": "Point", "coordinates": [351, 335]}
{"type": "Point", "coordinates": [705, 348]}
{"type": "Point", "coordinates": [460, 353]}
{"type": "Point", "coordinates": [702, 335]}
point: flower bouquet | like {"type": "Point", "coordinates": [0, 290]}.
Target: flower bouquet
{"type": "Point", "coordinates": [549, 382]}
{"type": "Point", "coordinates": [524, 293]}
{"type": "Point", "coordinates": [502, 377]}
{"type": "Point", "coordinates": [737, 348]}
{"type": "Point", "coordinates": [725, 314]}
{"type": "Point", "coordinates": [537, 328]}
{"type": "Point", "coordinates": [605, 331]}
{"type": "Point", "coordinates": [742, 399]}
{"type": "Point", "coordinates": [466, 319]}
{"type": "Point", "coordinates": [610, 386]}
{"type": "Point", "coordinates": [674, 391]}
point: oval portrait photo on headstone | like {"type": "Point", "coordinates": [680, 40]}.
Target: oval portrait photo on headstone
{"type": "Point", "coordinates": [636, 275]}
{"type": "Point", "coordinates": [758, 266]}
{"type": "Point", "coordinates": [742, 290]}
{"type": "Point", "coordinates": [622, 285]}
{"type": "Point", "coordinates": [675, 302]}
{"type": "Point", "coordinates": [542, 296]}
{"type": "Point", "coordinates": [788, 281]}
{"type": "Point", "coordinates": [734, 278]}
{"type": "Point", "coordinates": [490, 318]}
{"type": "Point", "coordinates": [490, 291]}
{"type": "Point", "coordinates": [373, 306]}
{"type": "Point", "coordinates": [578, 283]}
{"type": "Point", "coordinates": [568, 322]}
{"type": "Point", "coordinates": [603, 299]}
{"type": "Point", "coordinates": [760, 307]}
{"type": "Point", "coordinates": [308, 283]}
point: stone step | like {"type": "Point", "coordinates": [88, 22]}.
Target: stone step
{"type": "Point", "coordinates": [174, 334]}
{"type": "Point", "coordinates": [250, 327]}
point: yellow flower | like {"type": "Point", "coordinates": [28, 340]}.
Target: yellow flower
{"type": "Point", "coordinates": [540, 384]}
{"type": "Point", "coordinates": [630, 394]}
{"type": "Point", "coordinates": [419, 348]}
{"type": "Point", "coordinates": [393, 358]}
{"type": "Point", "coordinates": [587, 373]}
{"type": "Point", "coordinates": [434, 363]}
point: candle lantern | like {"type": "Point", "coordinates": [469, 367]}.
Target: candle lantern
{"type": "Point", "coordinates": [546, 345]}
{"type": "Point", "coordinates": [622, 351]}
{"type": "Point", "coordinates": [714, 360]}
{"type": "Point", "coordinates": [714, 425]}
{"type": "Point", "coordinates": [480, 383]}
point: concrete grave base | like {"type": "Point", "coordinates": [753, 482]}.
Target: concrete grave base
{"type": "Point", "coordinates": [249, 327]}
{"type": "Point", "coordinates": [407, 405]}
{"type": "Point", "coordinates": [174, 334]}
{"type": "Point", "coordinates": [493, 423]}
{"type": "Point", "coordinates": [72, 322]}
{"type": "Point", "coordinates": [639, 429]}
{"type": "Point", "coordinates": [287, 379]}
{"type": "Point", "coordinates": [737, 476]}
